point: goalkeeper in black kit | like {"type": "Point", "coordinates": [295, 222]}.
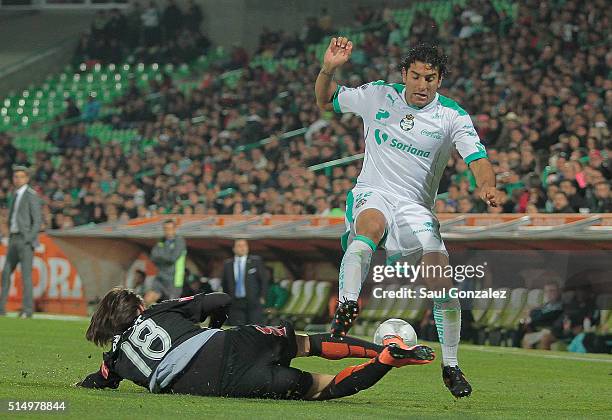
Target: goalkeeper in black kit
{"type": "Point", "coordinates": [165, 350]}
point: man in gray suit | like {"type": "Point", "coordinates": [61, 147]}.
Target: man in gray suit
{"type": "Point", "coordinates": [24, 224]}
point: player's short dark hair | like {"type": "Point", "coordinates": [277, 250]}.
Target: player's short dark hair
{"type": "Point", "coordinates": [428, 54]}
{"type": "Point", "coordinates": [116, 313]}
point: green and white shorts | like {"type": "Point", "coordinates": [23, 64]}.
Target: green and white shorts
{"type": "Point", "coordinates": [412, 229]}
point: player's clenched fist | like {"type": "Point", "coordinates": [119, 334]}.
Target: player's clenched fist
{"type": "Point", "coordinates": [338, 52]}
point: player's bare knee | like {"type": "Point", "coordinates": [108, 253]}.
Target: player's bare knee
{"type": "Point", "coordinates": [437, 282]}
{"type": "Point", "coordinates": [371, 223]}
{"type": "Point", "coordinates": [319, 383]}
{"type": "Point", "coordinates": [303, 345]}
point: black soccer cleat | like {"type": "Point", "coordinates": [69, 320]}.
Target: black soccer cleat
{"type": "Point", "coordinates": [346, 313]}
{"type": "Point", "coordinates": [455, 381]}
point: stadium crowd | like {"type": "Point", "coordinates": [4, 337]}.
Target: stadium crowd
{"type": "Point", "coordinates": [540, 96]}
{"type": "Point", "coordinates": [144, 34]}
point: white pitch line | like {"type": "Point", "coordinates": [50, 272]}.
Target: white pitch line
{"type": "Point", "coordinates": [546, 356]}
{"type": "Point", "coordinates": [39, 315]}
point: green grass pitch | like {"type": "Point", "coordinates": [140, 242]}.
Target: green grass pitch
{"type": "Point", "coordinates": [41, 358]}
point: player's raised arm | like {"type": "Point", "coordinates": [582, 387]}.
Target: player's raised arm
{"type": "Point", "coordinates": [338, 52]}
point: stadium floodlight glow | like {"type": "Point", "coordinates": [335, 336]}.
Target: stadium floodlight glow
{"type": "Point", "coordinates": [19, 111]}
{"type": "Point", "coordinates": [97, 67]}
{"type": "Point", "coordinates": [82, 66]}
{"type": "Point", "coordinates": [26, 94]}
{"type": "Point", "coordinates": [3, 112]}
{"type": "Point", "coordinates": [22, 102]}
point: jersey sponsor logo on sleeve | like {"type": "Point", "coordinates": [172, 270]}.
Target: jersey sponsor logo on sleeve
{"type": "Point", "coordinates": [183, 299]}
{"type": "Point", "coordinates": [407, 122]}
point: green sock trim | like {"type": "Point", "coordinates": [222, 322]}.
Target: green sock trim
{"type": "Point", "coordinates": [441, 300]}
{"type": "Point", "coordinates": [439, 321]}
{"type": "Point", "coordinates": [367, 240]}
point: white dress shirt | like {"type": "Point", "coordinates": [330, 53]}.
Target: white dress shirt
{"type": "Point", "coordinates": [18, 195]}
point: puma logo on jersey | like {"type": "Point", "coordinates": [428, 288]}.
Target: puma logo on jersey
{"type": "Point", "coordinates": [382, 114]}
{"type": "Point", "coordinates": [391, 98]}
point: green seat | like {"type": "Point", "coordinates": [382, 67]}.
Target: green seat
{"type": "Point", "coordinates": [318, 304]}
{"type": "Point", "coordinates": [308, 296]}
{"type": "Point", "coordinates": [382, 311]}
{"type": "Point", "coordinates": [411, 310]}
{"type": "Point", "coordinates": [496, 309]}
{"type": "Point", "coordinates": [296, 292]}
{"type": "Point", "coordinates": [514, 309]}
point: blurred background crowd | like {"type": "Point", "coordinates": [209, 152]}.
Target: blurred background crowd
{"type": "Point", "coordinates": [540, 96]}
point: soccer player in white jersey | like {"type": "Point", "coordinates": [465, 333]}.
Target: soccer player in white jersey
{"type": "Point", "coordinates": [409, 132]}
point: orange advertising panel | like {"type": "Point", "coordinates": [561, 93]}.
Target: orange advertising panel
{"type": "Point", "coordinates": [57, 285]}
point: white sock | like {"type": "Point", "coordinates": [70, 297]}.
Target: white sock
{"type": "Point", "coordinates": [354, 267]}
{"type": "Point", "coordinates": [447, 315]}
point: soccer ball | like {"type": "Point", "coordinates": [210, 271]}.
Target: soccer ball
{"type": "Point", "coordinates": [395, 326]}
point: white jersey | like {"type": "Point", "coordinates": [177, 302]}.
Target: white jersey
{"type": "Point", "coordinates": [407, 148]}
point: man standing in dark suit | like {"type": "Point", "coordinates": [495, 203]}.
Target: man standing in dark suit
{"type": "Point", "coordinates": [245, 279]}
{"type": "Point", "coordinates": [24, 224]}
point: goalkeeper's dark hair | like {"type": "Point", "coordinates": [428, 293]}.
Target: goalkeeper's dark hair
{"type": "Point", "coordinates": [116, 312]}
{"type": "Point", "coordinates": [428, 54]}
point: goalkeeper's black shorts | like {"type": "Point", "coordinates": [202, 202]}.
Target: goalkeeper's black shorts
{"type": "Point", "coordinates": [254, 363]}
